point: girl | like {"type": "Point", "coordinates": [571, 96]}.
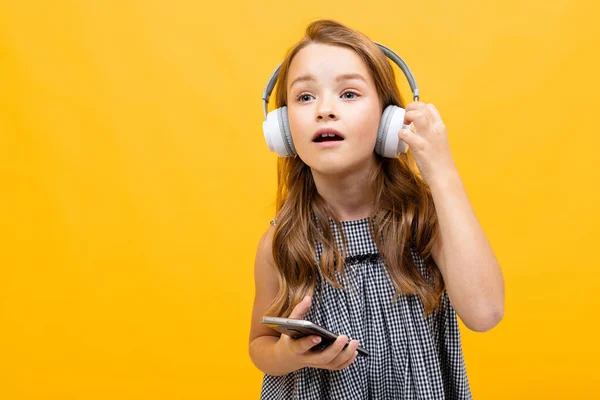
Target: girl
{"type": "Point", "coordinates": [380, 250]}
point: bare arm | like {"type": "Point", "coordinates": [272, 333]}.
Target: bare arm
{"type": "Point", "coordinates": [462, 252]}
{"type": "Point", "coordinates": [466, 260]}
{"type": "Point", "coordinates": [262, 338]}
{"type": "Point", "coordinates": [276, 354]}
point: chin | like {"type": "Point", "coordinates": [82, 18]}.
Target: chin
{"type": "Point", "coordinates": [337, 165]}
{"type": "Point", "coordinates": [329, 169]}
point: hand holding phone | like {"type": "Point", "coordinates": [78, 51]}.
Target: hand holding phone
{"type": "Point", "coordinates": [299, 328]}
{"type": "Point", "coordinates": [300, 352]}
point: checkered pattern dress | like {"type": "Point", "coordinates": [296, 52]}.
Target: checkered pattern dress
{"type": "Point", "coordinates": [411, 356]}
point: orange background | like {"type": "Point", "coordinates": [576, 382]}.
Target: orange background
{"type": "Point", "coordinates": [136, 184]}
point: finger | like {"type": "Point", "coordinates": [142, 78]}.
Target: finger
{"type": "Point", "coordinates": [347, 363]}
{"type": "Point", "coordinates": [301, 308]}
{"type": "Point", "coordinates": [415, 105]}
{"type": "Point", "coordinates": [434, 113]}
{"type": "Point", "coordinates": [302, 345]}
{"type": "Point", "coordinates": [331, 352]}
{"type": "Point", "coordinates": [421, 118]}
{"type": "Point", "coordinates": [410, 138]}
{"type": "Point", "coordinates": [346, 355]}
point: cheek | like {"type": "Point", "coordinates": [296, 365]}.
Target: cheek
{"type": "Point", "coordinates": [295, 121]}
{"type": "Point", "coordinates": [369, 127]}
{"type": "Point", "coordinates": [299, 129]}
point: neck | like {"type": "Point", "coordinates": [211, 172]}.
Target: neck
{"type": "Point", "coordinates": [349, 195]}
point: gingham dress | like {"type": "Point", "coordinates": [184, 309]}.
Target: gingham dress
{"type": "Point", "coordinates": [411, 356]}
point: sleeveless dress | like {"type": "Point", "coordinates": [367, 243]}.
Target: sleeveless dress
{"type": "Point", "coordinates": [411, 356]}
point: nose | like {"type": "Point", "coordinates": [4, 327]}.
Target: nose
{"type": "Point", "coordinates": [327, 116]}
{"type": "Point", "coordinates": [326, 113]}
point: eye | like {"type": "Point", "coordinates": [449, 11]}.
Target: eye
{"type": "Point", "coordinates": [303, 97]}
{"type": "Point", "coordinates": [354, 95]}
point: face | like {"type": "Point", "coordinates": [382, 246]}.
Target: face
{"type": "Point", "coordinates": [333, 109]}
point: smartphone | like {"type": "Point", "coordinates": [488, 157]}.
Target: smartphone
{"type": "Point", "coordinates": [298, 328]}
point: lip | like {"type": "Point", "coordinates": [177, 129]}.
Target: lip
{"type": "Point", "coordinates": [326, 130]}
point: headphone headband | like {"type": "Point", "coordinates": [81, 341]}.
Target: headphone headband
{"type": "Point", "coordinates": [389, 54]}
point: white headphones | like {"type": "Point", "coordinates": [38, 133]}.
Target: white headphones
{"type": "Point", "coordinates": [277, 132]}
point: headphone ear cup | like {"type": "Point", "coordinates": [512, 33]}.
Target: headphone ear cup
{"type": "Point", "coordinates": [388, 143]}
{"type": "Point", "coordinates": [276, 129]}
{"type": "Point", "coordinates": [286, 131]}
{"type": "Point", "coordinates": [382, 131]}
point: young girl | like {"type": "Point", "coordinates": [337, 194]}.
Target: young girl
{"type": "Point", "coordinates": [381, 250]}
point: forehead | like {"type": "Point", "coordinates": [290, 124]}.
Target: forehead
{"type": "Point", "coordinates": [326, 62]}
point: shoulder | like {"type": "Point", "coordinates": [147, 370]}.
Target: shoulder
{"type": "Point", "coordinates": [266, 240]}
{"type": "Point", "coordinates": [265, 262]}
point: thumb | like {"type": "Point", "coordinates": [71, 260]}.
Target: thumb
{"type": "Point", "coordinates": [407, 136]}
{"type": "Point", "coordinates": [301, 308]}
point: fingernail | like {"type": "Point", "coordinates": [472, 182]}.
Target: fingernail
{"type": "Point", "coordinates": [316, 340]}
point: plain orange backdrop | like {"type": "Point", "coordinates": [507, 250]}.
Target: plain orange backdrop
{"type": "Point", "coordinates": [136, 184]}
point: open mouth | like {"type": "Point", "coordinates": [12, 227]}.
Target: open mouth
{"type": "Point", "coordinates": [327, 137]}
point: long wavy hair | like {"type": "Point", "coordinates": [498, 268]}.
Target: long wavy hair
{"type": "Point", "coordinates": [404, 215]}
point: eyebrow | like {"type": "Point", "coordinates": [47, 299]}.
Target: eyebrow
{"type": "Point", "coordinates": [343, 77]}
